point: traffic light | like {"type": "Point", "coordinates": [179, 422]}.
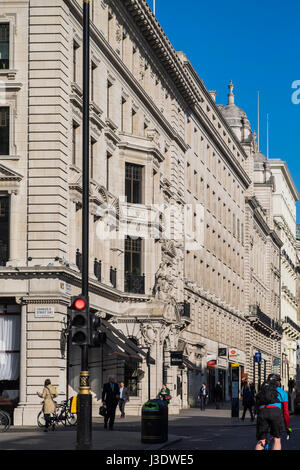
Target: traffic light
{"type": "Point", "coordinates": [80, 320]}
{"type": "Point", "coordinates": [96, 337]}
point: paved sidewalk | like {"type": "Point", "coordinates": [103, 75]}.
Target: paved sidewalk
{"type": "Point", "coordinates": [125, 436]}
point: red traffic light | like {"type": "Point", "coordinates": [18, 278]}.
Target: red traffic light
{"type": "Point", "coordinates": [80, 303]}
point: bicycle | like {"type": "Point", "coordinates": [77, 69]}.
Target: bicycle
{"type": "Point", "coordinates": [62, 415]}
{"type": "Point", "coordinates": [5, 421]}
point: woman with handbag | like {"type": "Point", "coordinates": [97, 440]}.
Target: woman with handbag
{"type": "Point", "coordinates": [49, 404]}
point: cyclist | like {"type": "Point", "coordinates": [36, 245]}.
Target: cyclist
{"type": "Point", "coordinates": [270, 414]}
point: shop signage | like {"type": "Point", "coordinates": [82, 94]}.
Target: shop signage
{"type": "Point", "coordinates": [176, 358]}
{"type": "Point", "coordinates": [222, 352]}
{"type": "Point", "coordinates": [212, 363]}
{"type": "Point", "coordinates": [222, 362]}
{"type": "Point", "coordinates": [234, 354]}
{"type": "Point", "coordinates": [276, 361]}
{"type": "Point", "coordinates": [44, 312]}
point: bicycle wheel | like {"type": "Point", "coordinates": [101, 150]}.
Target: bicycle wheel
{"type": "Point", "coordinates": [71, 418]}
{"type": "Point", "coordinates": [41, 420]}
{"type": "Point", "coordinates": [5, 421]}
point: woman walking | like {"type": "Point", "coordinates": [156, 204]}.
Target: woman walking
{"type": "Point", "coordinates": [49, 404]}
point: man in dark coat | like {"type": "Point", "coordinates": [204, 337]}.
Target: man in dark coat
{"type": "Point", "coordinates": [248, 402]}
{"type": "Point", "coordinates": [124, 398]}
{"type": "Point", "coordinates": [110, 398]}
{"type": "Point", "coordinates": [218, 394]}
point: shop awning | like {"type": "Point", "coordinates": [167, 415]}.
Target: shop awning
{"type": "Point", "coordinates": [190, 365]}
{"type": "Point", "coordinates": [121, 345]}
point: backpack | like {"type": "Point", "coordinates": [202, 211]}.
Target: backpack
{"type": "Point", "coordinates": [268, 394]}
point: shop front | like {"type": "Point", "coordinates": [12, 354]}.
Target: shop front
{"type": "Point", "coordinates": [10, 328]}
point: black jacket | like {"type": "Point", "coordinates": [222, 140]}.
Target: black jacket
{"type": "Point", "coordinates": [109, 395]}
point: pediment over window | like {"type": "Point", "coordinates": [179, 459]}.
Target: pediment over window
{"type": "Point", "coordinates": [9, 179]}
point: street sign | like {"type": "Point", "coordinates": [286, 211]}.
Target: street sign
{"type": "Point", "coordinates": [176, 358]}
{"type": "Point", "coordinates": [257, 357]}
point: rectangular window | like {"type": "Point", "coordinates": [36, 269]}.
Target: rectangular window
{"type": "Point", "coordinates": [133, 183]}
{"type": "Point", "coordinates": [74, 142]}
{"type": "Point", "coordinates": [134, 122]}
{"type": "Point", "coordinates": [4, 230]}
{"type": "Point", "coordinates": [123, 116]}
{"type": "Point", "coordinates": [93, 68]}
{"type": "Point", "coordinates": [4, 130]}
{"type": "Point", "coordinates": [75, 47]}
{"type": "Point", "coordinates": [108, 98]}
{"type": "Point", "coordinates": [134, 280]}
{"type": "Point", "coordinates": [4, 46]}
{"type": "Point", "coordinates": [92, 151]}
{"type": "Point", "coordinates": [108, 155]}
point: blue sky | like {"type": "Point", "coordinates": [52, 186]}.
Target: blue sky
{"type": "Point", "coordinates": [256, 45]}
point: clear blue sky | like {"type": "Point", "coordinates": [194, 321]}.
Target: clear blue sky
{"type": "Point", "coordinates": [256, 45]}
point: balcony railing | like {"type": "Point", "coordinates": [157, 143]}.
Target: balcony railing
{"type": "Point", "coordinates": [265, 319]}
{"type": "Point", "coordinates": [134, 283]}
{"type": "Point", "coordinates": [184, 309]}
{"type": "Point", "coordinates": [97, 269]}
{"type": "Point", "coordinates": [293, 324]}
{"type": "Point", "coordinates": [113, 276]}
{"type": "Point", "coordinates": [3, 254]}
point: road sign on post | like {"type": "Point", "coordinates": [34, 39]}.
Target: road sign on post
{"type": "Point", "coordinates": [257, 357]}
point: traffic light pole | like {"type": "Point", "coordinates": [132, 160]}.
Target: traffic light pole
{"type": "Point", "coordinates": [84, 424]}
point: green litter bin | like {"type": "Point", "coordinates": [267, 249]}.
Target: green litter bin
{"type": "Point", "coordinates": [154, 422]}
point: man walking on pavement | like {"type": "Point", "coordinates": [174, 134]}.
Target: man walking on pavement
{"type": "Point", "coordinates": [124, 398]}
{"type": "Point", "coordinates": [203, 394]}
{"type": "Point", "coordinates": [248, 402]}
{"type": "Point", "coordinates": [110, 398]}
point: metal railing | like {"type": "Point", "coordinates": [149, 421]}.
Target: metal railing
{"type": "Point", "coordinates": [134, 283]}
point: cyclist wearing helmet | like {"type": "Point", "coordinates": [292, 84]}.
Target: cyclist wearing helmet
{"type": "Point", "coordinates": [269, 414]}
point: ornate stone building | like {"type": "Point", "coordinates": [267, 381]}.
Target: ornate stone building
{"type": "Point", "coordinates": [285, 197]}
{"type": "Point", "coordinates": [184, 251]}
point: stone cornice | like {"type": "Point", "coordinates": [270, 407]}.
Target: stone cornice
{"type": "Point", "coordinates": [155, 36]}
{"type": "Point", "coordinates": [128, 77]}
{"type": "Point", "coordinates": [71, 276]}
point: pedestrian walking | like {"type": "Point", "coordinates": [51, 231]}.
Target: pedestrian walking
{"type": "Point", "coordinates": [164, 394]}
{"type": "Point", "coordinates": [49, 406]}
{"type": "Point", "coordinates": [203, 394]}
{"type": "Point", "coordinates": [124, 398]}
{"type": "Point", "coordinates": [291, 385]}
{"type": "Point", "coordinates": [248, 402]}
{"type": "Point", "coordinates": [110, 398]}
{"type": "Point", "coordinates": [218, 395]}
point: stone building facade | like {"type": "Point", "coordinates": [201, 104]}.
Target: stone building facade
{"type": "Point", "coordinates": [184, 250]}
{"type": "Point", "coordinates": [284, 212]}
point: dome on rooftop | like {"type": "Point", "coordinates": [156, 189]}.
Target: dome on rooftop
{"type": "Point", "coordinates": [235, 116]}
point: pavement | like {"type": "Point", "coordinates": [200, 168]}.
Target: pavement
{"type": "Point", "coordinates": [125, 436]}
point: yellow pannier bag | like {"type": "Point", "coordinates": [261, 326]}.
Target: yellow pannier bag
{"type": "Point", "coordinates": [74, 405]}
